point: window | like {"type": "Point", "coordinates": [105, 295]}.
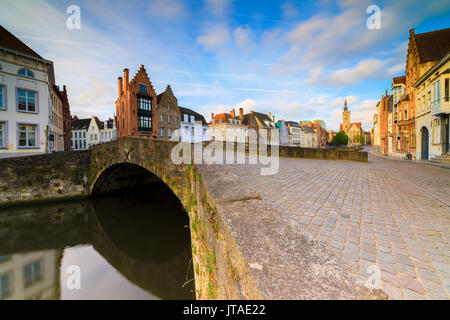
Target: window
{"type": "Point", "coordinates": [144, 103]}
{"type": "Point", "coordinates": [32, 272]}
{"type": "Point", "coordinates": [161, 131]}
{"type": "Point", "coordinates": [406, 115]}
{"type": "Point", "coordinates": [446, 90]}
{"type": "Point", "coordinates": [26, 100]}
{"type": "Point", "coordinates": [5, 285]}
{"type": "Point", "coordinates": [169, 132]}
{"type": "Point", "coordinates": [169, 119]}
{"type": "Point", "coordinates": [25, 73]}
{"type": "Point", "coordinates": [145, 123]}
{"type": "Point", "coordinates": [161, 118]}
{"type": "Point", "coordinates": [2, 98]}
{"type": "Point", "coordinates": [2, 136]}
{"type": "Point", "coordinates": [76, 135]}
{"type": "Point", "coordinates": [27, 136]}
{"type": "Point", "coordinates": [176, 119]}
{"type": "Point", "coordinates": [168, 106]}
{"type": "Point", "coordinates": [142, 88]}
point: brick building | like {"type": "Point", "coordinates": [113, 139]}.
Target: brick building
{"type": "Point", "coordinates": [136, 106]}
{"type": "Point", "coordinates": [167, 114]}
{"type": "Point", "coordinates": [67, 126]}
{"type": "Point", "coordinates": [424, 51]}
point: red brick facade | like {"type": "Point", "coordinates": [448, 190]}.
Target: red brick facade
{"type": "Point", "coordinates": [136, 106]}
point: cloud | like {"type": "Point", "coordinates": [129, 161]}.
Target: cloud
{"type": "Point", "coordinates": [243, 39]}
{"type": "Point", "coordinates": [166, 8]}
{"type": "Point", "coordinates": [216, 38]}
{"type": "Point", "coordinates": [217, 7]}
{"type": "Point", "coordinates": [289, 11]}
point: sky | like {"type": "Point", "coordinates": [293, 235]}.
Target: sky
{"type": "Point", "coordinates": [298, 60]}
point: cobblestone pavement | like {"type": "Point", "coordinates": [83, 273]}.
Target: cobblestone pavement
{"type": "Point", "coordinates": [393, 214]}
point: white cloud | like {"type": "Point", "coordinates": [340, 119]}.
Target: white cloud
{"type": "Point", "coordinates": [216, 38]}
{"type": "Point", "coordinates": [243, 39]}
{"type": "Point", "coordinates": [289, 11]}
{"type": "Point", "coordinates": [217, 7]}
{"type": "Point", "coordinates": [166, 8]}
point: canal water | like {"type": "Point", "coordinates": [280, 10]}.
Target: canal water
{"type": "Point", "coordinates": [134, 244]}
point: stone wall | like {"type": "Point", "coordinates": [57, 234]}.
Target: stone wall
{"type": "Point", "coordinates": [44, 177]}
{"type": "Point", "coordinates": [323, 154]}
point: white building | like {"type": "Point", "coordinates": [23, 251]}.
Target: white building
{"type": "Point", "coordinates": [308, 137]}
{"type": "Point", "coordinates": [227, 127]}
{"type": "Point", "coordinates": [193, 126]}
{"type": "Point", "coordinates": [295, 133]}
{"type": "Point", "coordinates": [30, 276]}
{"type": "Point", "coordinates": [89, 132]}
{"type": "Point", "coordinates": [25, 107]}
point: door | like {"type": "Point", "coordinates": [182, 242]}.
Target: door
{"type": "Point", "coordinates": [424, 155]}
{"type": "Point", "coordinates": [447, 136]}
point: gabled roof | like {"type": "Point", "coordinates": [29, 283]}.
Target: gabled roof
{"type": "Point", "coordinates": [398, 80]}
{"type": "Point", "coordinates": [358, 124]}
{"type": "Point", "coordinates": [262, 117]}
{"type": "Point", "coordinates": [197, 116]}
{"type": "Point", "coordinates": [11, 42]}
{"type": "Point", "coordinates": [292, 124]}
{"type": "Point", "coordinates": [433, 45]}
{"type": "Point", "coordinates": [81, 124]}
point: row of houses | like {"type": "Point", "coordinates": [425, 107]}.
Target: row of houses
{"type": "Point", "coordinates": [34, 111]}
{"type": "Point", "coordinates": [413, 119]}
{"type": "Point", "coordinates": [141, 112]}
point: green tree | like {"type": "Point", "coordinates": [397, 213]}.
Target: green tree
{"type": "Point", "coordinates": [340, 139]}
{"type": "Point", "coordinates": [359, 139]}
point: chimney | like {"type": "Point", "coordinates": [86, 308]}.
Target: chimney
{"type": "Point", "coordinates": [270, 115]}
{"type": "Point", "coordinates": [233, 113]}
{"type": "Point", "coordinates": [212, 116]}
{"type": "Point", "coordinates": [241, 114]}
{"type": "Point", "coordinates": [273, 118]}
{"type": "Point", "coordinates": [126, 75]}
{"type": "Point", "coordinates": [120, 86]}
{"type": "Point", "coordinates": [64, 88]}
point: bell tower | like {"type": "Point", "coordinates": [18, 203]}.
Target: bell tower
{"type": "Point", "coordinates": [346, 117]}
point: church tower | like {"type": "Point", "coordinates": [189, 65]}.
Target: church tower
{"type": "Point", "coordinates": [346, 117]}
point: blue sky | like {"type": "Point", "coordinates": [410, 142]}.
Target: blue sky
{"type": "Point", "coordinates": [295, 59]}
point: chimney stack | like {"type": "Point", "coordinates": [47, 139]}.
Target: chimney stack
{"type": "Point", "coordinates": [212, 116]}
{"type": "Point", "coordinates": [273, 118]}
{"type": "Point", "coordinates": [64, 88]}
{"type": "Point", "coordinates": [120, 86]}
{"type": "Point", "coordinates": [126, 76]}
{"type": "Point", "coordinates": [270, 115]}
{"type": "Point", "coordinates": [241, 114]}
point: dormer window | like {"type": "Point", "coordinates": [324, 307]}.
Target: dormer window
{"type": "Point", "coordinates": [25, 73]}
{"type": "Point", "coordinates": [168, 106]}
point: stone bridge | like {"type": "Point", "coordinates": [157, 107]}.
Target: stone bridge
{"type": "Point", "coordinates": [242, 248]}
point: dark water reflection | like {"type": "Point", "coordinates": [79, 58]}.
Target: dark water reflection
{"type": "Point", "coordinates": [131, 245]}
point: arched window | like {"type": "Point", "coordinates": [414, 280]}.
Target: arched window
{"type": "Point", "coordinates": [25, 73]}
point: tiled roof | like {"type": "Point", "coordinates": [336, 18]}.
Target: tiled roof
{"type": "Point", "coordinates": [10, 41]}
{"type": "Point", "coordinates": [80, 124]}
{"type": "Point", "coordinates": [292, 124]}
{"type": "Point", "coordinates": [197, 116]}
{"type": "Point", "coordinates": [399, 80]}
{"type": "Point", "coordinates": [433, 45]}
{"type": "Point", "coordinates": [307, 129]}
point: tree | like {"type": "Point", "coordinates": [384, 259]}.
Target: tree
{"type": "Point", "coordinates": [359, 139]}
{"type": "Point", "coordinates": [340, 139]}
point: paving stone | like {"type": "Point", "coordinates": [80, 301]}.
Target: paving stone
{"type": "Point", "coordinates": [412, 284]}
{"type": "Point", "coordinates": [393, 292]}
{"type": "Point", "coordinates": [398, 208]}
{"type": "Point", "coordinates": [435, 291]}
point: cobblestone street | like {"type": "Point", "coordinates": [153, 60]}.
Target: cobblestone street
{"type": "Point", "coordinates": [393, 214]}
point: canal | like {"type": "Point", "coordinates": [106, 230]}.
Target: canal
{"type": "Point", "coordinates": [133, 244]}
